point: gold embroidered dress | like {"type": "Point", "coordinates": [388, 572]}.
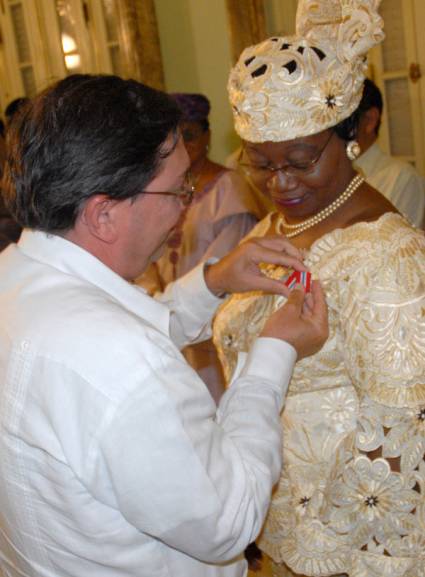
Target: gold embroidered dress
{"type": "Point", "coordinates": [338, 508]}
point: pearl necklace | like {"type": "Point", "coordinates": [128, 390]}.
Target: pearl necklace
{"type": "Point", "coordinates": [322, 215]}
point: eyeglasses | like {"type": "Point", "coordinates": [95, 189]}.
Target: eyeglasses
{"type": "Point", "coordinates": [185, 193]}
{"type": "Point", "coordinates": [290, 169]}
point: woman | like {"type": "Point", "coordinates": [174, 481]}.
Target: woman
{"type": "Point", "coordinates": [351, 499]}
{"type": "Point", "coordinates": [223, 211]}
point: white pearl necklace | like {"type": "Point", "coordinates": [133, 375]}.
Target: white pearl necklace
{"type": "Point", "coordinates": [281, 224]}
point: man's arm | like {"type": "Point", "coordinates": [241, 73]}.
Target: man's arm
{"type": "Point", "coordinates": [194, 298]}
{"type": "Point", "coordinates": [196, 480]}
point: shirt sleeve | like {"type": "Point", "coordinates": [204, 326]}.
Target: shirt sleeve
{"type": "Point", "coordinates": [382, 325]}
{"type": "Point", "coordinates": [382, 322]}
{"type": "Point", "coordinates": [197, 481]}
{"type": "Point", "coordinates": [192, 306]}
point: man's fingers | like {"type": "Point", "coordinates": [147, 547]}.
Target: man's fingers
{"type": "Point", "coordinates": [296, 297]}
{"type": "Point", "coordinates": [320, 308]}
{"type": "Point", "coordinates": [308, 305]}
{"type": "Point", "coordinates": [271, 256]}
{"type": "Point", "coordinates": [272, 286]}
{"type": "Point", "coordinates": [279, 244]}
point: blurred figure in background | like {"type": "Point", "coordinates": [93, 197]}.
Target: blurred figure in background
{"type": "Point", "coordinates": [13, 107]}
{"type": "Point", "coordinates": [397, 180]}
{"type": "Point", "coordinates": [10, 230]}
{"type": "Point", "coordinates": [222, 212]}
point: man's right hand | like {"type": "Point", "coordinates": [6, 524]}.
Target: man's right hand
{"type": "Point", "coordinates": [302, 321]}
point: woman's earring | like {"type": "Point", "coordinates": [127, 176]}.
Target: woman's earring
{"type": "Point", "coordinates": [353, 149]}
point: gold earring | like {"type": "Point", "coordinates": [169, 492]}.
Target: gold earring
{"type": "Point", "coordinates": [353, 149]}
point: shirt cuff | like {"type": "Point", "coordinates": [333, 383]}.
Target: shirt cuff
{"type": "Point", "coordinates": [271, 359]}
{"type": "Point", "coordinates": [197, 294]}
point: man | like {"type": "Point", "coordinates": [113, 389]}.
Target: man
{"type": "Point", "coordinates": [395, 179]}
{"type": "Point", "coordinates": [114, 459]}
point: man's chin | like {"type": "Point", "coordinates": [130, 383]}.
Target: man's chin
{"type": "Point", "coordinates": [162, 247]}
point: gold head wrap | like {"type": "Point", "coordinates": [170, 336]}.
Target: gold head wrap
{"type": "Point", "coordinates": [285, 88]}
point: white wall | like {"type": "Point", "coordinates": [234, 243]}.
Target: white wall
{"type": "Point", "coordinates": [196, 57]}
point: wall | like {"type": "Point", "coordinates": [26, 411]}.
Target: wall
{"type": "Point", "coordinates": [184, 25]}
{"type": "Point", "coordinates": [280, 17]}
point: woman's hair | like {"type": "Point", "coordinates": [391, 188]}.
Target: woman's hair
{"type": "Point", "coordinates": [194, 108]}
{"type": "Point", "coordinates": [83, 136]}
{"type": "Point", "coordinates": [347, 128]}
{"type": "Point", "coordinates": [371, 98]}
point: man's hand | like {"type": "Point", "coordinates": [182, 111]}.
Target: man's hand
{"type": "Point", "coordinates": [302, 321]}
{"type": "Point", "coordinates": [239, 271]}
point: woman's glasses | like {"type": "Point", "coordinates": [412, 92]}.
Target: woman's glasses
{"type": "Point", "coordinates": [290, 169]}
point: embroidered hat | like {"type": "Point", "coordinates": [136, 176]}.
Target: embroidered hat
{"type": "Point", "coordinates": [285, 88]}
{"type": "Point", "coordinates": [194, 107]}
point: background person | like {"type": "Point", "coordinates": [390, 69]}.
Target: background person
{"type": "Point", "coordinates": [14, 107]}
{"type": "Point", "coordinates": [222, 212]}
{"type": "Point", "coordinates": [114, 459]}
{"type": "Point", "coordinates": [10, 230]}
{"type": "Point", "coordinates": [395, 179]}
{"type": "Point", "coordinates": [350, 500]}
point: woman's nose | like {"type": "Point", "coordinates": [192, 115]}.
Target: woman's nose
{"type": "Point", "coordinates": [281, 181]}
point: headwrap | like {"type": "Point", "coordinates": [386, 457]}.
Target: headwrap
{"type": "Point", "coordinates": [285, 88]}
{"type": "Point", "coordinates": [195, 107]}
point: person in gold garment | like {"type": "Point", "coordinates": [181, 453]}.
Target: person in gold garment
{"type": "Point", "coordinates": [351, 497]}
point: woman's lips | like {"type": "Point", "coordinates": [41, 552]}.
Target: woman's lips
{"type": "Point", "coordinates": [286, 201]}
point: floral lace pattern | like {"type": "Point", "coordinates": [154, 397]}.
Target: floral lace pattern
{"type": "Point", "coordinates": [351, 498]}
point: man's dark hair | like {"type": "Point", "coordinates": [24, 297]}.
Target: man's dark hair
{"type": "Point", "coordinates": [14, 106]}
{"type": "Point", "coordinates": [83, 136]}
{"type": "Point", "coordinates": [371, 98]}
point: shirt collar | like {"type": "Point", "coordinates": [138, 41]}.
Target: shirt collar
{"type": "Point", "coordinates": [70, 258]}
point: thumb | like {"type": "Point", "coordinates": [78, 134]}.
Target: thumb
{"type": "Point", "coordinates": [296, 297]}
{"type": "Point", "coordinates": [319, 300]}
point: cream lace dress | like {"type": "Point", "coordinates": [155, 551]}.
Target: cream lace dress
{"type": "Point", "coordinates": [336, 510]}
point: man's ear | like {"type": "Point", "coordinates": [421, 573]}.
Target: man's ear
{"type": "Point", "coordinates": [100, 216]}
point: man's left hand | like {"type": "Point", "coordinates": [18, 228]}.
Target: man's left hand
{"type": "Point", "coordinates": [239, 271]}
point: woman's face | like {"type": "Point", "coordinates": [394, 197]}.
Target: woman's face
{"type": "Point", "coordinates": [314, 170]}
{"type": "Point", "coordinates": [196, 140]}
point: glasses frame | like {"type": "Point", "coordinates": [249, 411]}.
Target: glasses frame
{"type": "Point", "coordinates": [184, 194]}
{"type": "Point", "coordinates": [287, 168]}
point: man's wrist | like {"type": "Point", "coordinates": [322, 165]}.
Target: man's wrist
{"type": "Point", "coordinates": [212, 279]}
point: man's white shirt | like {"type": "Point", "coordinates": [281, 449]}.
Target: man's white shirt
{"type": "Point", "coordinates": [114, 460]}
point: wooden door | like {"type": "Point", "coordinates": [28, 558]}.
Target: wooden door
{"type": "Point", "coordinates": [396, 67]}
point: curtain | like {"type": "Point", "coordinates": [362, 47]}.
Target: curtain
{"type": "Point", "coordinates": [247, 23]}
{"type": "Point", "coordinates": [140, 41]}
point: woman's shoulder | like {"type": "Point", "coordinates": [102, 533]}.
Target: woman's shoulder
{"type": "Point", "coordinates": [379, 263]}
{"type": "Point", "coordinates": [389, 236]}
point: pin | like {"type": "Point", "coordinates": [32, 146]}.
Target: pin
{"type": "Point", "coordinates": [299, 277]}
